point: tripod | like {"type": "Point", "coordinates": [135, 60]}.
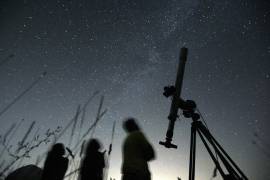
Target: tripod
{"type": "Point", "coordinates": [216, 152]}
{"type": "Point", "coordinates": [234, 172]}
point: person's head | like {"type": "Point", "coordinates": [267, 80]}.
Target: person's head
{"type": "Point", "coordinates": [92, 146]}
{"type": "Point", "coordinates": [130, 125]}
{"type": "Point", "coordinates": [58, 149]}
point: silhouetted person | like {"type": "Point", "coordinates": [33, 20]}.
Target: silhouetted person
{"type": "Point", "coordinates": [93, 162]}
{"type": "Point", "coordinates": [137, 151]}
{"type": "Point", "coordinates": [55, 165]}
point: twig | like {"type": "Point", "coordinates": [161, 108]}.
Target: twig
{"type": "Point", "coordinates": [21, 143]}
{"type": "Point", "coordinates": [67, 126]}
{"type": "Point", "coordinates": [26, 153]}
{"type": "Point", "coordinates": [8, 132]}
{"type": "Point", "coordinates": [23, 93]}
{"type": "Point", "coordinates": [74, 123]}
{"type": "Point", "coordinates": [84, 111]}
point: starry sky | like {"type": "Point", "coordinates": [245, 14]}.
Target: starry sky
{"type": "Point", "coordinates": [128, 51]}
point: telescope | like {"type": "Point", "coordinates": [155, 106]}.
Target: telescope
{"type": "Point", "coordinates": [223, 162]}
{"type": "Point", "coordinates": [175, 92]}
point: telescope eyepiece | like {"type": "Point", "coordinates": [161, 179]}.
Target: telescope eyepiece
{"type": "Point", "coordinates": [168, 144]}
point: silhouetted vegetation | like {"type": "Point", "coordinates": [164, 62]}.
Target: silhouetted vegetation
{"type": "Point", "coordinates": [32, 140]}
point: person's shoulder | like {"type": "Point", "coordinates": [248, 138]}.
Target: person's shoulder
{"type": "Point", "coordinates": [136, 135]}
{"type": "Point", "coordinates": [132, 134]}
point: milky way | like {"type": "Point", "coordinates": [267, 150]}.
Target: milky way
{"type": "Point", "coordinates": [128, 51]}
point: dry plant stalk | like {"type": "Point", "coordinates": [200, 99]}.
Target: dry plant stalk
{"type": "Point", "coordinates": [28, 147]}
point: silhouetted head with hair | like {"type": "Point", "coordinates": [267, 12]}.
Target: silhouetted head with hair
{"type": "Point", "coordinates": [92, 146]}
{"type": "Point", "coordinates": [55, 165]}
{"type": "Point", "coordinates": [58, 150]}
{"type": "Point", "coordinates": [130, 125]}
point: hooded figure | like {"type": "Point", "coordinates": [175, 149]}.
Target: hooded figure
{"type": "Point", "coordinates": [56, 165]}
{"type": "Point", "coordinates": [93, 162]}
{"type": "Point", "coordinates": [136, 152]}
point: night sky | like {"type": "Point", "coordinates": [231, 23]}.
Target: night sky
{"type": "Point", "coordinates": [128, 51]}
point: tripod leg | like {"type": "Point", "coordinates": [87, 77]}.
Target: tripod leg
{"type": "Point", "coordinates": [218, 148]}
{"type": "Point", "coordinates": [192, 152]}
{"type": "Point", "coordinates": [229, 158]}
{"type": "Point", "coordinates": [212, 155]}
